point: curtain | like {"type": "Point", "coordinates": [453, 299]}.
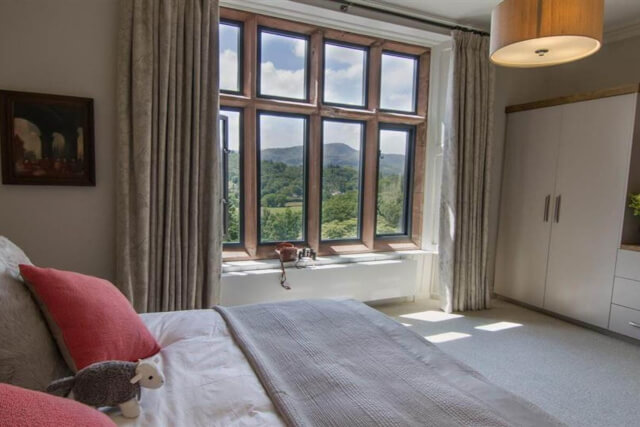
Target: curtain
{"type": "Point", "coordinates": [169, 189]}
{"type": "Point", "coordinates": [464, 215]}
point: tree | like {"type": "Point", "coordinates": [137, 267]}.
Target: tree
{"type": "Point", "coordinates": [281, 225]}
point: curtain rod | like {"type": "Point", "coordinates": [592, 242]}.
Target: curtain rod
{"type": "Point", "coordinates": [345, 5]}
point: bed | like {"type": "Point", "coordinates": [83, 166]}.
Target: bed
{"type": "Point", "coordinates": [295, 363]}
{"type": "Point", "coordinates": [314, 362]}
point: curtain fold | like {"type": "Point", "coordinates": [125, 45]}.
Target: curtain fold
{"type": "Point", "coordinates": [464, 215]}
{"type": "Point", "coordinates": [169, 189]}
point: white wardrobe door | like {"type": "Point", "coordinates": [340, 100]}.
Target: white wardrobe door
{"type": "Point", "coordinates": [591, 181]}
{"type": "Point", "coordinates": [528, 182]}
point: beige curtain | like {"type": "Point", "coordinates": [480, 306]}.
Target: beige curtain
{"type": "Point", "coordinates": [169, 206]}
{"type": "Point", "coordinates": [464, 216]}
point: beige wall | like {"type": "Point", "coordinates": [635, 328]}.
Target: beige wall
{"type": "Point", "coordinates": [617, 63]}
{"type": "Point", "coordinates": [65, 47]}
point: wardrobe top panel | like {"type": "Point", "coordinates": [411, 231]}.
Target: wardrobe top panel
{"type": "Point", "coordinates": [605, 93]}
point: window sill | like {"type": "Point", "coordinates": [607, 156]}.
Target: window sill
{"type": "Point", "coordinates": [273, 265]}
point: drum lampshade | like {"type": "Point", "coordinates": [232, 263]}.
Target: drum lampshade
{"type": "Point", "coordinates": [538, 33]}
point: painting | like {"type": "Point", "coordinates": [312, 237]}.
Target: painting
{"type": "Point", "coordinates": [46, 139]}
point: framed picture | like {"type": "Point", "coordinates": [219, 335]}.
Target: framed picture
{"type": "Point", "coordinates": [46, 139]}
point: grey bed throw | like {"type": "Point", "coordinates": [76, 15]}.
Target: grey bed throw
{"type": "Point", "coordinates": [341, 363]}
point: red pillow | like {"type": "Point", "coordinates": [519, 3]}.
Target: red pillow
{"type": "Point", "coordinates": [20, 407]}
{"type": "Point", "coordinates": [89, 317]}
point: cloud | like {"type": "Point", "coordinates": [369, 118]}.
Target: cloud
{"type": "Point", "coordinates": [229, 70]}
{"type": "Point", "coordinates": [344, 55]}
{"type": "Point", "coordinates": [299, 47]}
{"type": "Point", "coordinates": [393, 142]}
{"type": "Point", "coordinates": [345, 86]}
{"type": "Point", "coordinates": [278, 82]}
{"type": "Point", "coordinates": [234, 128]}
{"type": "Point", "coordinates": [344, 132]}
{"type": "Point", "coordinates": [344, 68]}
{"type": "Point", "coordinates": [398, 76]}
{"type": "Point", "coordinates": [281, 131]}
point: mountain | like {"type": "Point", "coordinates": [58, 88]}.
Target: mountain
{"type": "Point", "coordinates": [335, 154]}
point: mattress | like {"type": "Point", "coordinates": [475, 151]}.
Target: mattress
{"type": "Point", "coordinates": [208, 380]}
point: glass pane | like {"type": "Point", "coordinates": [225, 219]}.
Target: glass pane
{"type": "Point", "coordinates": [233, 176]}
{"type": "Point", "coordinates": [282, 170]}
{"type": "Point", "coordinates": [398, 87]}
{"type": "Point", "coordinates": [392, 182]}
{"type": "Point", "coordinates": [230, 57]}
{"type": "Point", "coordinates": [344, 75]}
{"type": "Point", "coordinates": [341, 175]}
{"type": "Point", "coordinates": [283, 68]}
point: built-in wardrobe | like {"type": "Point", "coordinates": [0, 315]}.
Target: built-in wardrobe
{"type": "Point", "coordinates": [564, 200]}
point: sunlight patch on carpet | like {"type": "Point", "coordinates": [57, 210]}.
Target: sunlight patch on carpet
{"type": "Point", "coordinates": [499, 326]}
{"type": "Point", "coordinates": [445, 337]}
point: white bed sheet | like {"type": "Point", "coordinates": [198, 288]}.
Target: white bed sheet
{"type": "Point", "coordinates": [208, 381]}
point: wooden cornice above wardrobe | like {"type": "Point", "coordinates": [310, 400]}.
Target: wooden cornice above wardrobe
{"type": "Point", "coordinates": [570, 99]}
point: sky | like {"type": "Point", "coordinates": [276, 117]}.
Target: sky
{"type": "Point", "coordinates": [229, 47]}
{"type": "Point", "coordinates": [398, 77]}
{"type": "Point", "coordinates": [344, 132]}
{"type": "Point", "coordinates": [284, 61]}
{"type": "Point", "coordinates": [234, 128]}
{"type": "Point", "coordinates": [344, 75]}
{"type": "Point", "coordinates": [280, 131]}
{"type": "Point", "coordinates": [393, 141]}
{"type": "Point", "coordinates": [283, 73]}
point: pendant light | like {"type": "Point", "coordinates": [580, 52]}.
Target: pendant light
{"type": "Point", "coordinates": [539, 33]}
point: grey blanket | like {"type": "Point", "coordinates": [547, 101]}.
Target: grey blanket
{"type": "Point", "coordinates": [341, 363]}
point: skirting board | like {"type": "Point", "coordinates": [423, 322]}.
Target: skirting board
{"type": "Point", "coordinates": [570, 320]}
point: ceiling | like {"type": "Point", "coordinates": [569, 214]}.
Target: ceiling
{"type": "Point", "coordinates": [477, 13]}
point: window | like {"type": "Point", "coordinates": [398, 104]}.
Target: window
{"type": "Point", "coordinates": [326, 138]}
{"type": "Point", "coordinates": [398, 82]}
{"type": "Point", "coordinates": [283, 64]}
{"type": "Point", "coordinates": [230, 136]}
{"type": "Point", "coordinates": [230, 56]}
{"type": "Point", "coordinates": [282, 166]}
{"type": "Point", "coordinates": [345, 78]}
{"type": "Point", "coordinates": [342, 144]}
{"type": "Point", "coordinates": [392, 205]}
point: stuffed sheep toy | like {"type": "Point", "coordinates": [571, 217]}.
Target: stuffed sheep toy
{"type": "Point", "coordinates": [112, 383]}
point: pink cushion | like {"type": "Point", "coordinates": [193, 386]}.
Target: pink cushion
{"type": "Point", "coordinates": [20, 407]}
{"type": "Point", "coordinates": [89, 317]}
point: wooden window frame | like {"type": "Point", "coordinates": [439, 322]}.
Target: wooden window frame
{"type": "Point", "coordinates": [305, 172]}
{"type": "Point", "coordinates": [416, 80]}
{"type": "Point", "coordinates": [240, 243]}
{"type": "Point", "coordinates": [250, 104]}
{"type": "Point", "coordinates": [365, 77]}
{"type": "Point", "coordinates": [408, 184]}
{"type": "Point", "coordinates": [240, 26]}
{"type": "Point", "coordinates": [363, 141]}
{"type": "Point", "coordinates": [282, 33]}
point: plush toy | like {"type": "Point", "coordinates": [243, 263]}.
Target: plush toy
{"type": "Point", "coordinates": [112, 383]}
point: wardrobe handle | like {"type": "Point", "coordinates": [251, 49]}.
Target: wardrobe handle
{"type": "Point", "coordinates": [547, 205]}
{"type": "Point", "coordinates": [634, 324]}
{"type": "Point", "coordinates": [557, 212]}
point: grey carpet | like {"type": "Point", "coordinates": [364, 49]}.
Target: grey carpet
{"type": "Point", "coordinates": [580, 376]}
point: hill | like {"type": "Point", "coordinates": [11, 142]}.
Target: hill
{"type": "Point", "coordinates": [335, 154]}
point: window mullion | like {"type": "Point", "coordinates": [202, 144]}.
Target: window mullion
{"type": "Point", "coordinates": [315, 67]}
{"type": "Point", "coordinates": [250, 57]}
{"type": "Point", "coordinates": [315, 142]}
{"type": "Point", "coordinates": [370, 178]}
{"type": "Point", "coordinates": [370, 183]}
{"type": "Point", "coordinates": [424, 64]}
{"type": "Point", "coordinates": [250, 181]}
{"type": "Point", "coordinates": [375, 60]}
{"type": "Point", "coordinates": [420, 152]}
{"type": "Point", "coordinates": [314, 181]}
